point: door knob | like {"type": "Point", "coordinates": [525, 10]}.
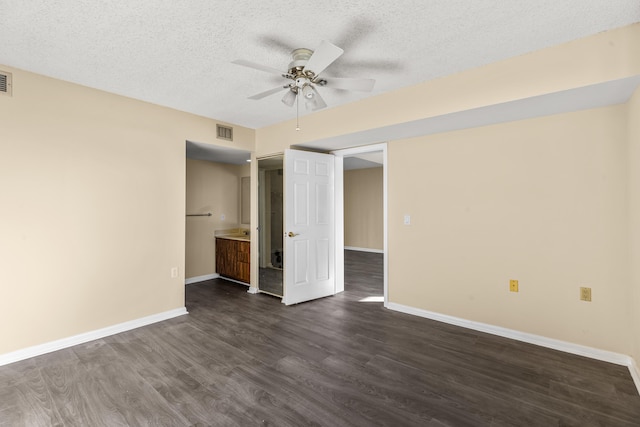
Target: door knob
{"type": "Point", "coordinates": [292, 234]}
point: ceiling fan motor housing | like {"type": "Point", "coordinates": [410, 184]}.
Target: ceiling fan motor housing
{"type": "Point", "coordinates": [300, 58]}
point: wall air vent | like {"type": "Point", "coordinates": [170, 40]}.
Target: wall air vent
{"type": "Point", "coordinates": [5, 83]}
{"type": "Point", "coordinates": [225, 132]}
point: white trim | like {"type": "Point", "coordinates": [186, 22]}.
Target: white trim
{"type": "Point", "coordinates": [385, 223]}
{"type": "Point", "coordinates": [567, 347]}
{"type": "Point", "coordinates": [252, 290]}
{"type": "Point", "coordinates": [197, 279]}
{"type": "Point", "coordinates": [353, 248]}
{"type": "Point", "coordinates": [635, 373]}
{"type": "Point", "coordinates": [40, 349]}
{"type": "Point", "coordinates": [338, 221]}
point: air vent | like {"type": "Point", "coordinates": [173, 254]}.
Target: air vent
{"type": "Point", "coordinates": [5, 83]}
{"type": "Point", "coordinates": [225, 132]}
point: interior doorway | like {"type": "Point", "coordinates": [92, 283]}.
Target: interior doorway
{"type": "Point", "coordinates": [271, 217]}
{"type": "Point", "coordinates": [347, 159]}
{"type": "Point", "coordinates": [214, 202]}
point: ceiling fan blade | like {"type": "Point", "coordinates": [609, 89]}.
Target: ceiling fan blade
{"type": "Point", "coordinates": [364, 85]}
{"type": "Point", "coordinates": [257, 66]}
{"type": "Point", "coordinates": [322, 57]}
{"type": "Point", "coordinates": [267, 92]}
{"type": "Point", "coordinates": [289, 98]}
{"type": "Point", "coordinates": [316, 103]}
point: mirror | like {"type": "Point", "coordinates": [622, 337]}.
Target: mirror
{"type": "Point", "coordinates": [270, 222]}
{"type": "Point", "coordinates": [245, 200]}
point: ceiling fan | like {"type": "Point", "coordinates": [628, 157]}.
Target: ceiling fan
{"type": "Point", "coordinates": [304, 72]}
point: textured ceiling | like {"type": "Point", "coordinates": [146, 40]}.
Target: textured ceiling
{"type": "Point", "coordinates": [178, 53]}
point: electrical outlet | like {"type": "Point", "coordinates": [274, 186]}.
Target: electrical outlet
{"type": "Point", "coordinates": [585, 294]}
{"type": "Point", "coordinates": [174, 272]}
{"type": "Point", "coordinates": [513, 285]}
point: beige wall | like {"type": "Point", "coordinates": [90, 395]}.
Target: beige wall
{"type": "Point", "coordinates": [92, 216]}
{"type": "Point", "coordinates": [542, 201]}
{"type": "Point", "coordinates": [211, 187]}
{"type": "Point", "coordinates": [634, 216]}
{"type": "Point", "coordinates": [363, 210]}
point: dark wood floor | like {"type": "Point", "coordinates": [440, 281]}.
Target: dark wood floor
{"type": "Point", "coordinates": [241, 359]}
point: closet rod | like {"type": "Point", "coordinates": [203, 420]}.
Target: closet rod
{"type": "Point", "coordinates": [207, 214]}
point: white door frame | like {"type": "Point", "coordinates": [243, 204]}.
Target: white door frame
{"type": "Point", "coordinates": [339, 217]}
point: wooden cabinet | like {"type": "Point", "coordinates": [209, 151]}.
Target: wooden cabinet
{"type": "Point", "coordinates": [233, 259]}
{"type": "Point", "coordinates": [244, 257]}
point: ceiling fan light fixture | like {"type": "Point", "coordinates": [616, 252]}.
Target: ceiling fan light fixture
{"type": "Point", "coordinates": [307, 91]}
{"type": "Point", "coordinates": [289, 98]}
{"type": "Point", "coordinates": [315, 103]}
{"type": "Point", "coordinates": [310, 104]}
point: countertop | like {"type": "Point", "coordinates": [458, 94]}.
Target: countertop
{"type": "Point", "coordinates": [242, 237]}
{"type": "Point", "coordinates": [233, 234]}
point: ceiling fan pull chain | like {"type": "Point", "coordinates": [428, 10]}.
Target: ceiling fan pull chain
{"type": "Point", "coordinates": [297, 112]}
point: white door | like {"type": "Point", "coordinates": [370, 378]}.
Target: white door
{"type": "Point", "coordinates": [309, 241]}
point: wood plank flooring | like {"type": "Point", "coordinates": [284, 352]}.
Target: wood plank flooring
{"type": "Point", "coordinates": [248, 360]}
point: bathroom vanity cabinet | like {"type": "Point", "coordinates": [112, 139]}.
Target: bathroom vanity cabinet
{"type": "Point", "coordinates": [233, 258]}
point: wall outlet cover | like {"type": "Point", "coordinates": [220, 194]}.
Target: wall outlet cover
{"type": "Point", "coordinates": [585, 294]}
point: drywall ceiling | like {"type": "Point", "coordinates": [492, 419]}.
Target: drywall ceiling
{"type": "Point", "coordinates": [582, 98]}
{"type": "Point", "coordinates": [178, 53]}
{"type": "Point", "coordinates": [363, 161]}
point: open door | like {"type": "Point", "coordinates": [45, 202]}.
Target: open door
{"type": "Point", "coordinates": [309, 241]}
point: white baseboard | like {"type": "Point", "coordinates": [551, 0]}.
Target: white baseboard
{"type": "Point", "coordinates": [252, 290]}
{"type": "Point", "coordinates": [567, 347]}
{"type": "Point", "coordinates": [353, 248]}
{"type": "Point", "coordinates": [49, 347]}
{"type": "Point", "coordinates": [635, 373]}
{"type": "Point", "coordinates": [197, 279]}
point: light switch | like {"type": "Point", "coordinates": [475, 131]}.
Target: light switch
{"type": "Point", "coordinates": [407, 219]}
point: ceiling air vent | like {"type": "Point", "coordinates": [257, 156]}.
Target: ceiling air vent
{"type": "Point", "coordinates": [225, 132]}
{"type": "Point", "coordinates": [5, 83]}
